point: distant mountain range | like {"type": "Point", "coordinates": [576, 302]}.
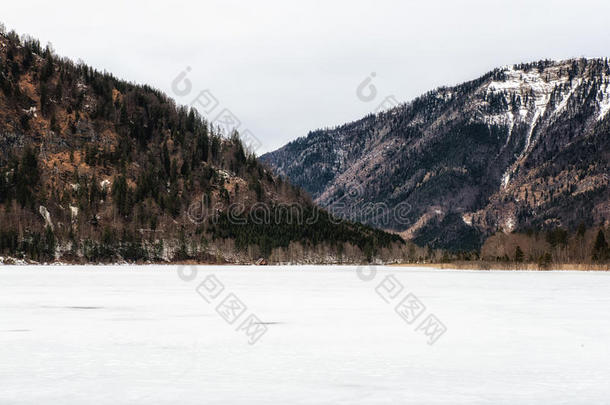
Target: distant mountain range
{"type": "Point", "coordinates": [524, 147]}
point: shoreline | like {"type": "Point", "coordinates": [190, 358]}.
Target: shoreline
{"type": "Point", "coordinates": [485, 266]}
{"type": "Point", "coordinates": [477, 265]}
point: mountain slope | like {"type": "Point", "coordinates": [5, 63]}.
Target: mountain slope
{"type": "Point", "coordinates": [522, 147]}
{"type": "Point", "coordinates": [97, 169]}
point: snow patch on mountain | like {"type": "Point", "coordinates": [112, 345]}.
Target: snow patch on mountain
{"type": "Point", "coordinates": [604, 103]}
{"type": "Point", "coordinates": [506, 178]}
{"type": "Point", "coordinates": [522, 85]}
{"type": "Point", "coordinates": [46, 216]}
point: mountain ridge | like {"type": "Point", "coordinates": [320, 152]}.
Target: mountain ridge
{"type": "Point", "coordinates": [490, 132]}
{"type": "Point", "coordinates": [93, 168]}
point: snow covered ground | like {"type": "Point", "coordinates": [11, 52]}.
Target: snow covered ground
{"type": "Point", "coordinates": [135, 335]}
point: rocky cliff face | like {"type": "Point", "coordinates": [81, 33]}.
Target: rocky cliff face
{"type": "Point", "coordinates": [525, 146]}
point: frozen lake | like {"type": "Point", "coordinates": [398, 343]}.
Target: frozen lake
{"type": "Point", "coordinates": [302, 335]}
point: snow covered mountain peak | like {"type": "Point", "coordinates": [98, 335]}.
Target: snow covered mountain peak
{"type": "Point", "coordinates": [524, 145]}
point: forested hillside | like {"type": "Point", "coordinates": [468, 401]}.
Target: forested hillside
{"type": "Point", "coordinates": [93, 168]}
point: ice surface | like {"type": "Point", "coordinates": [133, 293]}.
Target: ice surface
{"type": "Point", "coordinates": [137, 335]}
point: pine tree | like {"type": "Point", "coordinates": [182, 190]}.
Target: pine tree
{"type": "Point", "coordinates": [600, 248]}
{"type": "Point", "coordinates": [49, 244]}
{"type": "Point", "coordinates": [120, 194]}
{"type": "Point", "coordinates": [166, 161]}
{"type": "Point", "coordinates": [518, 254]}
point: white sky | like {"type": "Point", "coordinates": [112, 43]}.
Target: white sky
{"type": "Point", "coordinates": [286, 67]}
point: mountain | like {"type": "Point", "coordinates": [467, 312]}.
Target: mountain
{"type": "Point", "coordinates": [524, 147]}
{"type": "Point", "coordinates": [93, 168]}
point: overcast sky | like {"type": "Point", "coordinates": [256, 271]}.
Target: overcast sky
{"type": "Point", "coordinates": [285, 67]}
